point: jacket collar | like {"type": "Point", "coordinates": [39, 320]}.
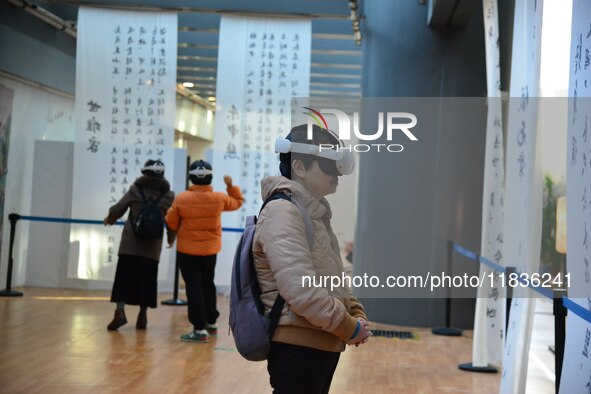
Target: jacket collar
{"type": "Point", "coordinates": [201, 188]}
{"type": "Point", "coordinates": [316, 208]}
{"type": "Point", "coordinates": [152, 182]}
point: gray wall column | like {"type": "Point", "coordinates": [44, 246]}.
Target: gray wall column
{"type": "Point", "coordinates": [433, 192]}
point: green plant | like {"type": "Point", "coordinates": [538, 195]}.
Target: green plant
{"type": "Point", "coordinates": [550, 260]}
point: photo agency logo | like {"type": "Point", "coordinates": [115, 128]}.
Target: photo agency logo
{"type": "Point", "coordinates": [394, 121]}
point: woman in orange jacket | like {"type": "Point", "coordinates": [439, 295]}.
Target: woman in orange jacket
{"type": "Point", "coordinates": [195, 216]}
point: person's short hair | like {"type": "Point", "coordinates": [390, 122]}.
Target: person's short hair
{"type": "Point", "coordinates": [300, 134]}
{"type": "Point", "coordinates": [200, 173]}
{"type": "Point", "coordinates": [153, 168]}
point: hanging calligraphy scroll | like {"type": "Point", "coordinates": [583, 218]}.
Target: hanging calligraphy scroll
{"type": "Point", "coordinates": [576, 369]}
{"type": "Point", "coordinates": [125, 109]}
{"type": "Point", "coordinates": [489, 318]}
{"type": "Point", "coordinates": [6, 100]}
{"type": "Point", "coordinates": [523, 188]}
{"type": "Point", "coordinates": [262, 64]}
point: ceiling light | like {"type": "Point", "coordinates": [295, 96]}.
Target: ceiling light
{"type": "Point", "coordinates": [211, 98]}
{"type": "Point", "coordinates": [188, 84]}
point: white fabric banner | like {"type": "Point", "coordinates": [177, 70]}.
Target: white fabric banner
{"type": "Point", "coordinates": [125, 111]}
{"type": "Point", "coordinates": [489, 318]}
{"type": "Point", "coordinates": [523, 188]}
{"type": "Point", "coordinates": [262, 64]}
{"type": "Point", "coordinates": [43, 116]}
{"type": "Point", "coordinates": [576, 368]}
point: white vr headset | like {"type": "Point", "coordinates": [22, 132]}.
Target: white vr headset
{"type": "Point", "coordinates": [344, 159]}
{"type": "Point", "coordinates": [156, 167]}
{"type": "Point", "coordinates": [200, 172]}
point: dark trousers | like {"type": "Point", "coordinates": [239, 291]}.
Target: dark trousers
{"type": "Point", "coordinates": [299, 369]}
{"type": "Point", "coordinates": [198, 273]}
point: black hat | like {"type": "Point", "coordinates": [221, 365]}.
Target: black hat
{"type": "Point", "coordinates": [200, 172]}
{"type": "Point", "coordinates": [153, 168]}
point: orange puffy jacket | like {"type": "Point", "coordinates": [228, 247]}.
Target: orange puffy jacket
{"type": "Point", "coordinates": [195, 215]}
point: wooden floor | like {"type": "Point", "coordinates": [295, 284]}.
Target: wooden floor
{"type": "Point", "coordinates": [55, 341]}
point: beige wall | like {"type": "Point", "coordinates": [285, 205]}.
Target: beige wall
{"type": "Point", "coordinates": [196, 147]}
{"type": "Point", "coordinates": [193, 119]}
{"type": "Point", "coordinates": [194, 128]}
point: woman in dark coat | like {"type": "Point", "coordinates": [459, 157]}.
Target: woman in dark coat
{"type": "Point", "coordinates": [137, 267]}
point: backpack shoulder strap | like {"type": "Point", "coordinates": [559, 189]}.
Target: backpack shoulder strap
{"type": "Point", "coordinates": [279, 303]}
{"type": "Point", "coordinates": [160, 197]}
{"type": "Point", "coordinates": [307, 222]}
{"type": "Point", "coordinates": [151, 201]}
{"type": "Point", "coordinates": [275, 314]}
{"type": "Point", "coordinates": [273, 197]}
{"type": "Point", "coordinates": [142, 193]}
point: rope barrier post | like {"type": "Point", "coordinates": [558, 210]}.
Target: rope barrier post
{"type": "Point", "coordinates": [508, 272]}
{"type": "Point", "coordinates": [447, 330]}
{"type": "Point", "coordinates": [175, 301]}
{"type": "Point", "coordinates": [470, 367]}
{"type": "Point", "coordinates": [8, 292]}
{"type": "Point", "coordinates": [559, 311]}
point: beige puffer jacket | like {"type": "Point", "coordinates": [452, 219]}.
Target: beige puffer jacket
{"type": "Point", "coordinates": [314, 317]}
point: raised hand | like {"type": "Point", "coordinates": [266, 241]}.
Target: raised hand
{"type": "Point", "coordinates": [228, 180]}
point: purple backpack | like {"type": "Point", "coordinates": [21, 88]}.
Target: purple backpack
{"type": "Point", "coordinates": [252, 329]}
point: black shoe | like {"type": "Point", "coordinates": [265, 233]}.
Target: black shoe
{"type": "Point", "coordinates": [118, 320]}
{"type": "Point", "coordinates": [142, 321]}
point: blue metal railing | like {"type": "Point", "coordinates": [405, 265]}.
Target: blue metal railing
{"type": "Point", "coordinates": [561, 304]}
{"type": "Point", "coordinates": [14, 218]}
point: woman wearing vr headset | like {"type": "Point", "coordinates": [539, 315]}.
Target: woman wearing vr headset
{"type": "Point", "coordinates": [196, 217]}
{"type": "Point", "coordinates": [137, 267]}
{"type": "Point", "coordinates": [316, 322]}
